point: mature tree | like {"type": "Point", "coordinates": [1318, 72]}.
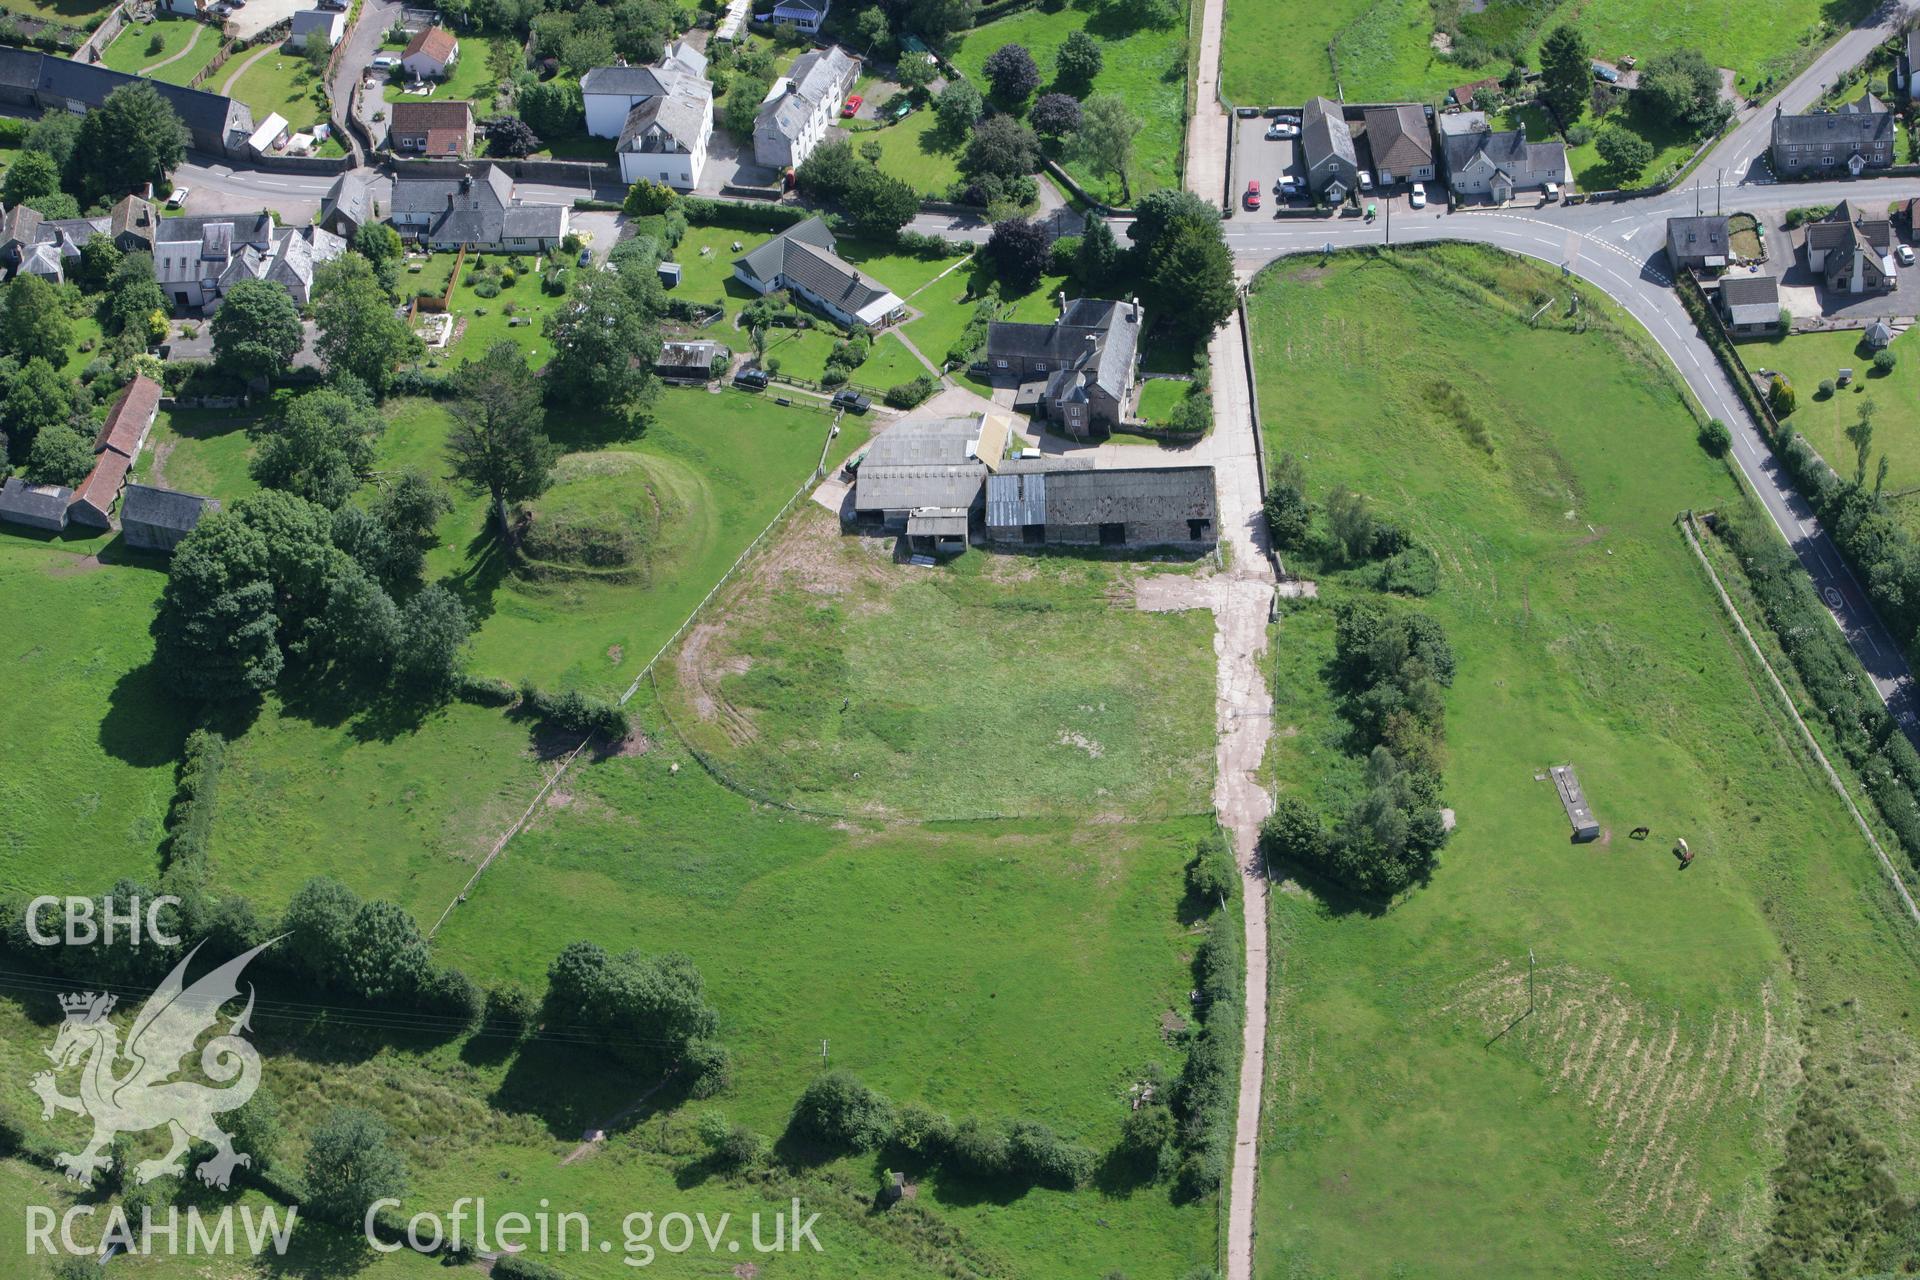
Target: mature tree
{"type": "Point", "coordinates": [958, 107]}
{"type": "Point", "coordinates": [1682, 85]}
{"type": "Point", "coordinates": [386, 960]}
{"type": "Point", "coordinates": [553, 108]}
{"type": "Point", "coordinates": [1105, 141]}
{"type": "Point", "coordinates": [498, 445]}
{"type": "Point", "coordinates": [1055, 115]}
{"type": "Point", "coordinates": [938, 21]}
{"type": "Point", "coordinates": [360, 333]}
{"type": "Point", "coordinates": [1289, 514]}
{"type": "Point", "coordinates": [1861, 435]}
{"type": "Point", "coordinates": [134, 299]}
{"type": "Point", "coordinates": [1012, 75]}
{"type": "Point", "coordinates": [56, 134]}
{"type": "Point", "coordinates": [256, 331]}
{"type": "Point", "coordinates": [830, 172]}
{"type": "Point", "coordinates": [1626, 154]}
{"type": "Point", "coordinates": [61, 454]}
{"type": "Point", "coordinates": [511, 136]}
{"type": "Point", "coordinates": [604, 346]}
{"type": "Point", "coordinates": [37, 398]}
{"type": "Point", "coordinates": [1001, 147]}
{"type": "Point", "coordinates": [1098, 257]}
{"type": "Point", "coordinates": [411, 506]}
{"type": "Point", "coordinates": [1565, 73]}
{"type": "Point", "coordinates": [433, 631]}
{"type": "Point", "coordinates": [31, 175]}
{"type": "Point", "coordinates": [33, 322]}
{"type": "Point", "coordinates": [745, 92]}
{"type": "Point", "coordinates": [643, 1008]}
{"type": "Point", "coordinates": [322, 447]}
{"type": "Point", "coordinates": [216, 634]}
{"type": "Point", "coordinates": [318, 924]}
{"type": "Point", "coordinates": [1146, 13]}
{"type": "Point", "coordinates": [1017, 249]}
{"type": "Point", "coordinates": [131, 139]}
{"type": "Point", "coordinates": [647, 197]}
{"type": "Point", "coordinates": [882, 205]}
{"type": "Point", "coordinates": [1077, 61]}
{"type": "Point", "coordinates": [1189, 273]}
{"type": "Point", "coordinates": [871, 26]}
{"type": "Point", "coordinates": [350, 1164]}
{"type": "Point", "coordinates": [1350, 522]}
{"type": "Point", "coordinates": [99, 260]}
{"type": "Point", "coordinates": [381, 245]}
{"type": "Point", "coordinates": [838, 1111]}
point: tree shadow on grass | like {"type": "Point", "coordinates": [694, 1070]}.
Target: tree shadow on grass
{"type": "Point", "coordinates": [321, 1251]}
{"type": "Point", "coordinates": [486, 568]}
{"type": "Point", "coordinates": [579, 427]}
{"type": "Point", "coordinates": [571, 1088]}
{"type": "Point", "coordinates": [145, 725]}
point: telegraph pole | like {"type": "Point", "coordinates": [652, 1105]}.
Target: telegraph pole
{"type": "Point", "coordinates": [823, 1051]}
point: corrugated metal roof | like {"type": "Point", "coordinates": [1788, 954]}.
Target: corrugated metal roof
{"type": "Point", "coordinates": [1016, 499]}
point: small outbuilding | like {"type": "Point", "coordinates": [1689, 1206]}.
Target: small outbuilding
{"type": "Point", "coordinates": [1574, 800]}
{"type": "Point", "coordinates": [689, 361]}
{"type": "Point", "coordinates": [155, 519]}
{"type": "Point", "coordinates": [36, 506]}
{"type": "Point", "coordinates": [1879, 335]}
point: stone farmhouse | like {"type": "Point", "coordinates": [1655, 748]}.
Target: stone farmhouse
{"type": "Point", "coordinates": [1857, 137]}
{"type": "Point", "coordinates": [1077, 372]}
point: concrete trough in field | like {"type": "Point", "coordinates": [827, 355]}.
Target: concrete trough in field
{"type": "Point", "coordinates": [1574, 801]}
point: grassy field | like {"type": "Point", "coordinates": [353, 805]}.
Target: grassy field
{"type": "Point", "coordinates": [86, 775]}
{"type": "Point", "coordinates": [279, 80]}
{"type": "Point", "coordinates": [1631, 1123]}
{"type": "Point", "coordinates": [130, 51]}
{"type": "Point", "coordinates": [1278, 53]}
{"type": "Point", "coordinates": [918, 152]}
{"type": "Point", "coordinates": [1810, 358]}
{"type": "Point", "coordinates": [1146, 66]}
{"type": "Point", "coordinates": [796, 685]}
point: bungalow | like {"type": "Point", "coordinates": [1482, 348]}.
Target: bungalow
{"type": "Point", "coordinates": [801, 259]}
{"type": "Point", "coordinates": [1751, 304]}
{"type": "Point", "coordinates": [1857, 137]}
{"type": "Point", "coordinates": [1497, 163]}
{"type": "Point", "coordinates": [431, 128]}
{"type": "Point", "coordinates": [445, 211]}
{"type": "Point", "coordinates": [324, 25]}
{"type": "Point", "coordinates": [37, 506]}
{"type": "Point", "coordinates": [1326, 146]}
{"type": "Point", "coordinates": [430, 55]}
{"type": "Point", "coordinates": [155, 519]}
{"type": "Point", "coordinates": [1078, 371]}
{"type": "Point", "coordinates": [805, 15]}
{"type": "Point", "coordinates": [1401, 143]}
{"type": "Point", "coordinates": [801, 106]}
{"type": "Point", "coordinates": [1697, 244]}
{"type": "Point", "coordinates": [1852, 253]}
{"type": "Point", "coordinates": [661, 115]}
{"type": "Point", "coordinates": [1042, 502]}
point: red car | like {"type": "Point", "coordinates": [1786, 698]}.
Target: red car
{"type": "Point", "coordinates": [1253, 194]}
{"type": "Point", "coordinates": [852, 108]}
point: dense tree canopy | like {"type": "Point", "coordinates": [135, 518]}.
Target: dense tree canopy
{"type": "Point", "coordinates": [256, 332]}
{"type": "Point", "coordinates": [644, 1009]}
{"type": "Point", "coordinates": [1017, 249]}
{"type": "Point", "coordinates": [351, 1162]}
{"type": "Point", "coordinates": [499, 445]}
{"type": "Point", "coordinates": [1011, 75]}
{"type": "Point", "coordinates": [1077, 61]}
{"type": "Point", "coordinates": [604, 346]}
{"type": "Point", "coordinates": [1682, 85]}
{"type": "Point", "coordinates": [360, 333]}
{"type": "Point", "coordinates": [33, 321]}
{"type": "Point", "coordinates": [1055, 115]}
{"type": "Point", "coordinates": [321, 447]}
{"type": "Point", "coordinates": [129, 140]}
{"type": "Point", "coordinates": [1565, 73]}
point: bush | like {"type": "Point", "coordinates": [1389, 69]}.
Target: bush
{"type": "Point", "coordinates": [1780, 397]}
{"type": "Point", "coordinates": [907, 395]}
{"type": "Point", "coordinates": [1826, 388]}
{"type": "Point", "coordinates": [709, 1068]}
{"type": "Point", "coordinates": [1884, 361]}
{"type": "Point", "coordinates": [190, 816]}
{"type": "Point", "coordinates": [1063, 254]}
{"type": "Point", "coordinates": [1580, 135]}
{"type": "Point", "coordinates": [1715, 438]}
{"type": "Point", "coordinates": [577, 712]}
{"type": "Point", "coordinates": [1211, 875]}
{"type": "Point", "coordinates": [1414, 571]}
{"type": "Point", "coordinates": [979, 1150]}
{"type": "Point", "coordinates": [482, 691]}
{"type": "Point", "coordinates": [923, 1132]}
{"type": "Point", "coordinates": [510, 1010]}
{"type": "Point", "coordinates": [837, 1111]}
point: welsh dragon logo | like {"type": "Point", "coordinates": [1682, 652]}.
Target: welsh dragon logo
{"type": "Point", "coordinates": [132, 1090]}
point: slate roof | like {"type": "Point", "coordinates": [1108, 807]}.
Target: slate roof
{"type": "Point", "coordinates": [42, 505]}
{"type": "Point", "coordinates": [1106, 495]}
{"type": "Point", "coordinates": [802, 6]}
{"type": "Point", "coordinates": [1861, 122]}
{"type": "Point", "coordinates": [130, 417]}
{"type": "Point", "coordinates": [803, 253]}
{"type": "Point", "coordinates": [1507, 149]}
{"type": "Point", "coordinates": [815, 77]}
{"type": "Point", "coordinates": [212, 230]}
{"type": "Point", "coordinates": [1696, 237]}
{"type": "Point", "coordinates": [477, 209]}
{"type": "Point", "coordinates": [1846, 227]}
{"type": "Point", "coordinates": [1398, 137]}
{"type": "Point", "coordinates": [680, 113]}
{"type": "Point", "coordinates": [20, 68]}
{"type": "Point", "coordinates": [1106, 361]}
{"type": "Point", "coordinates": [623, 81]}
{"type": "Point", "coordinates": [1324, 134]}
{"type": "Point", "coordinates": [21, 225]}
{"type": "Point", "coordinates": [164, 508]}
{"type": "Point", "coordinates": [436, 42]}
{"type": "Point", "coordinates": [133, 216]}
{"type": "Point", "coordinates": [1751, 299]}
{"type": "Point", "coordinates": [350, 195]}
{"type": "Point", "coordinates": [921, 463]}
{"type": "Point", "coordinates": [324, 20]}
{"type": "Point", "coordinates": [211, 114]}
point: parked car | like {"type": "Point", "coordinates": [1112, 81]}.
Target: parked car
{"type": "Point", "coordinates": [586, 257]}
{"type": "Point", "coordinates": [852, 108]}
{"type": "Point", "coordinates": [178, 200]}
{"type": "Point", "coordinates": [751, 379]}
{"type": "Point", "coordinates": [1253, 194]}
{"type": "Point", "coordinates": [1551, 193]}
{"type": "Point", "coordinates": [383, 62]}
{"type": "Point", "coordinates": [1418, 196]}
{"type": "Point", "coordinates": [1287, 187]}
{"type": "Point", "coordinates": [1604, 72]}
{"type": "Point", "coordinates": [1279, 131]}
{"type": "Point", "coordinates": [1904, 252]}
{"type": "Point", "coordinates": [851, 401]}
{"type": "Point", "coordinates": [1366, 180]}
{"type": "Point", "coordinates": [1289, 117]}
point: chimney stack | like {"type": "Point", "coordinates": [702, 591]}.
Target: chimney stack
{"type": "Point", "coordinates": [1062, 295]}
{"type": "Point", "coordinates": [1134, 314]}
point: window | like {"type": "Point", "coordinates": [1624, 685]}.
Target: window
{"type": "Point", "coordinates": [1113, 534]}
{"type": "Point", "coordinates": [999, 364]}
{"type": "Point", "coordinates": [1197, 530]}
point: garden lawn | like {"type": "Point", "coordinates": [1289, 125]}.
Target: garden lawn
{"type": "Point", "coordinates": [795, 684]}
{"type": "Point", "coordinates": [1810, 358]}
{"type": "Point", "coordinates": [76, 13]}
{"type": "Point", "coordinates": [473, 78]}
{"type": "Point", "coordinates": [1275, 53]}
{"type": "Point", "coordinates": [1147, 67]}
{"type": "Point", "coordinates": [204, 451]}
{"type": "Point", "coordinates": [481, 322]}
{"type": "Point", "coordinates": [129, 50]}
{"type": "Point", "coordinates": [1159, 396]}
{"type": "Point", "coordinates": [946, 307]}
{"type": "Point", "coordinates": [1671, 147]}
{"type": "Point", "coordinates": [1631, 1122]}
{"type": "Point", "coordinates": [87, 769]}
{"type": "Point", "coordinates": [279, 81]}
{"type": "Point", "coordinates": [918, 152]}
